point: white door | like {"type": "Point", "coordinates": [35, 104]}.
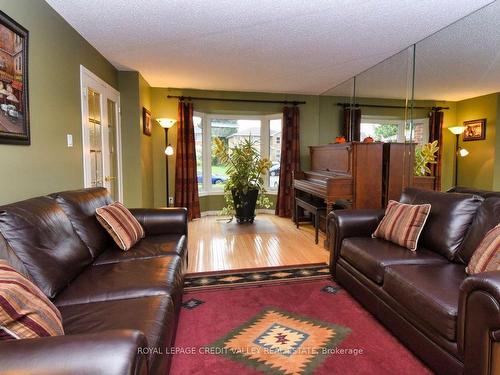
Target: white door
{"type": "Point", "coordinates": [101, 134]}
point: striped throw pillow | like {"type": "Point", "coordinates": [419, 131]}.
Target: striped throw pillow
{"type": "Point", "coordinates": [487, 255]}
{"type": "Point", "coordinates": [120, 224]}
{"type": "Point", "coordinates": [25, 312]}
{"type": "Point", "coordinates": [403, 223]}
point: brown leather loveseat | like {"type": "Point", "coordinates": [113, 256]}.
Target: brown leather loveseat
{"type": "Point", "coordinates": [119, 309]}
{"type": "Point", "coordinates": [448, 319]}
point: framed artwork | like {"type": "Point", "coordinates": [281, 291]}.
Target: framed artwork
{"type": "Point", "coordinates": [146, 122]}
{"type": "Point", "coordinates": [14, 104]}
{"type": "Point", "coordinates": [475, 130]}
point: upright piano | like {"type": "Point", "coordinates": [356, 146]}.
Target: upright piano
{"type": "Point", "coordinates": [350, 172]}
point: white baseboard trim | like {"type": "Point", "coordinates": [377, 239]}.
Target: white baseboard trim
{"type": "Point", "coordinates": [257, 211]}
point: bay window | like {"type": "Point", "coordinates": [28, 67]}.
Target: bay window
{"type": "Point", "coordinates": [263, 131]}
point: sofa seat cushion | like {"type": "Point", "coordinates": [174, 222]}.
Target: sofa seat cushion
{"type": "Point", "coordinates": [154, 316]}
{"type": "Point", "coordinates": [147, 277]}
{"type": "Point", "coordinates": [149, 247]}
{"type": "Point", "coordinates": [371, 256]}
{"type": "Point", "coordinates": [429, 292]}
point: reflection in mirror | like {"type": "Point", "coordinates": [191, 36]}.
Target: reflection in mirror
{"type": "Point", "coordinates": [333, 125]}
{"type": "Point", "coordinates": [459, 68]}
{"type": "Point", "coordinates": [385, 113]}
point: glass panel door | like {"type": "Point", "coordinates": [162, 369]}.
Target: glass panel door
{"type": "Point", "coordinates": [101, 135]}
{"type": "Point", "coordinates": [111, 179]}
{"type": "Point", "coordinates": [95, 137]}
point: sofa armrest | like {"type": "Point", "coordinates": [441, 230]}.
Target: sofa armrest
{"type": "Point", "coordinates": [350, 223]}
{"type": "Point", "coordinates": [479, 321]}
{"type": "Point", "coordinates": [111, 353]}
{"type": "Point", "coordinates": [162, 220]}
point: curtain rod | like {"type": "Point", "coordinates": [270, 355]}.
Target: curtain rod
{"type": "Point", "coordinates": [181, 98]}
{"type": "Point", "coordinates": [390, 106]}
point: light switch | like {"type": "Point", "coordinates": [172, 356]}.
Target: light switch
{"type": "Point", "coordinates": [69, 137]}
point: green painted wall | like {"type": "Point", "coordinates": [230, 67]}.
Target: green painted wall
{"type": "Point", "coordinates": [147, 177]}
{"type": "Point", "coordinates": [137, 148]}
{"type": "Point", "coordinates": [131, 138]}
{"type": "Point", "coordinates": [56, 51]}
{"type": "Point", "coordinates": [478, 168]}
{"type": "Point", "coordinates": [496, 169]}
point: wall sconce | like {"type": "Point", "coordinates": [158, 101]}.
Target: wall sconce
{"type": "Point", "coordinates": [459, 151]}
{"type": "Point", "coordinates": [167, 123]}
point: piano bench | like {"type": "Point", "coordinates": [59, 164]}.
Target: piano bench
{"type": "Point", "coordinates": [314, 209]}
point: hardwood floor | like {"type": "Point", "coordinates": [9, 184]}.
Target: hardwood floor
{"type": "Point", "coordinates": [215, 245]}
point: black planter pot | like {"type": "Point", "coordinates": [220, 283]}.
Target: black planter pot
{"type": "Point", "coordinates": [244, 205]}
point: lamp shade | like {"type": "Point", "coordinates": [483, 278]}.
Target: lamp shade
{"type": "Point", "coordinates": [166, 123]}
{"type": "Point", "coordinates": [169, 150]}
{"type": "Point", "coordinates": [463, 152]}
{"type": "Point", "coordinates": [457, 129]}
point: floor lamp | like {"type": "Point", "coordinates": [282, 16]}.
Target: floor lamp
{"type": "Point", "coordinates": [459, 151]}
{"type": "Point", "coordinates": [167, 123]}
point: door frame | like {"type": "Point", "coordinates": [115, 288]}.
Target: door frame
{"type": "Point", "coordinates": [88, 79]}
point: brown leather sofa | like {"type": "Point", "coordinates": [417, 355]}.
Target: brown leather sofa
{"type": "Point", "coordinates": [119, 309]}
{"type": "Point", "coordinates": [425, 298]}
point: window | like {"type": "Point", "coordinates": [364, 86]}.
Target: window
{"type": "Point", "coordinates": [198, 141]}
{"type": "Point", "coordinates": [394, 130]}
{"type": "Point", "coordinates": [274, 152]}
{"type": "Point", "coordinates": [263, 131]}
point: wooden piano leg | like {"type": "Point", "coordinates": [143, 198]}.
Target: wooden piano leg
{"type": "Point", "coordinates": [326, 243]}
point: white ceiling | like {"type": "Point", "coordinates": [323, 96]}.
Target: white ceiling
{"type": "Point", "coordinates": [291, 46]}
{"type": "Point", "coordinates": [457, 63]}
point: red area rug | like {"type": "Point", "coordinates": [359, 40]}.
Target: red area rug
{"type": "Point", "coordinates": [306, 327]}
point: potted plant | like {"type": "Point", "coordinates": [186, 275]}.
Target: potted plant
{"type": "Point", "coordinates": [244, 190]}
{"type": "Point", "coordinates": [425, 155]}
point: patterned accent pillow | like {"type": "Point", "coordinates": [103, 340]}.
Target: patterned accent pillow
{"type": "Point", "coordinates": [487, 255]}
{"type": "Point", "coordinates": [403, 223]}
{"type": "Point", "coordinates": [25, 312]}
{"type": "Point", "coordinates": [120, 224]}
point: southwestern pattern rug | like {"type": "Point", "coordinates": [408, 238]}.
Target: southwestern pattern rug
{"type": "Point", "coordinates": [305, 327]}
{"type": "Point", "coordinates": [218, 279]}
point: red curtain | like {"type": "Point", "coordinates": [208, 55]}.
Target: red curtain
{"type": "Point", "coordinates": [290, 160]}
{"type": "Point", "coordinates": [186, 182]}
{"type": "Point", "coordinates": [352, 124]}
{"type": "Point", "coordinates": [436, 134]}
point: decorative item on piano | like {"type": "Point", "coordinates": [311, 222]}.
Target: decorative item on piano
{"type": "Point", "coordinates": [368, 140]}
{"type": "Point", "coordinates": [244, 189]}
{"type": "Point", "coordinates": [340, 139]}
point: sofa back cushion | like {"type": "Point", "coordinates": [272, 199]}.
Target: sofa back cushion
{"type": "Point", "coordinates": [40, 234]}
{"type": "Point", "coordinates": [25, 312]}
{"type": "Point", "coordinates": [482, 193]}
{"type": "Point", "coordinates": [80, 206]}
{"type": "Point", "coordinates": [449, 220]}
{"type": "Point", "coordinates": [487, 217]}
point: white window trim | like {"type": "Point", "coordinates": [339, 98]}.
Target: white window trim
{"type": "Point", "coordinates": [265, 137]}
{"type": "Point", "coordinates": [394, 120]}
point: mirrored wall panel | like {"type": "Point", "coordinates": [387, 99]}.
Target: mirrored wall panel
{"type": "Point", "coordinates": [457, 70]}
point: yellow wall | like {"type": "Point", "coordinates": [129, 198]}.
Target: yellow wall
{"type": "Point", "coordinates": [56, 51]}
{"type": "Point", "coordinates": [477, 169]}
